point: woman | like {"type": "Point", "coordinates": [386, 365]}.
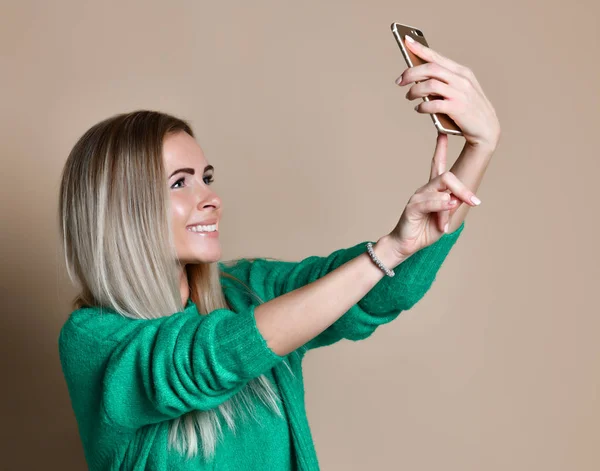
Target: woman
{"type": "Point", "coordinates": [197, 364]}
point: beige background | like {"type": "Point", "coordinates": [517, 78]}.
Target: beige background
{"type": "Point", "coordinates": [294, 103]}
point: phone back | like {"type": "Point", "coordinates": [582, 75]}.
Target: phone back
{"type": "Point", "coordinates": [442, 121]}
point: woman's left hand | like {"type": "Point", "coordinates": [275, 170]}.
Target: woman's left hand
{"type": "Point", "coordinates": [464, 100]}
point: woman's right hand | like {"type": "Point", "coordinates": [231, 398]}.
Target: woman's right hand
{"type": "Point", "coordinates": [429, 210]}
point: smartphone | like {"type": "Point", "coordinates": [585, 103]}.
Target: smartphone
{"type": "Point", "coordinates": [442, 121]}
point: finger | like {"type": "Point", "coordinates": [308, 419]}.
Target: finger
{"type": "Point", "coordinates": [431, 87]}
{"type": "Point", "coordinates": [438, 162]}
{"type": "Point", "coordinates": [431, 203]}
{"type": "Point", "coordinates": [460, 81]}
{"type": "Point", "coordinates": [444, 218]}
{"type": "Point", "coordinates": [429, 55]}
{"type": "Point", "coordinates": [440, 220]}
{"type": "Point", "coordinates": [454, 108]}
{"type": "Point", "coordinates": [425, 71]}
{"type": "Point", "coordinates": [449, 181]}
{"type": "Point", "coordinates": [447, 106]}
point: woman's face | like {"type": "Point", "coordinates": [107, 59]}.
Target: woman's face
{"type": "Point", "coordinates": [192, 200]}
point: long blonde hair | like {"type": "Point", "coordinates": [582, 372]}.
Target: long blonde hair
{"type": "Point", "coordinates": [119, 247]}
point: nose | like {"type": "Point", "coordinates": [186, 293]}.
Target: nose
{"type": "Point", "coordinates": [209, 198]}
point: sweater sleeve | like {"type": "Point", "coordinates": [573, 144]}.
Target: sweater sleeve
{"type": "Point", "coordinates": [159, 369]}
{"type": "Point", "coordinates": [390, 296]}
{"type": "Point", "coordinates": [382, 304]}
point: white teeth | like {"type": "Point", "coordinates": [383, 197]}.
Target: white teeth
{"type": "Point", "coordinates": [199, 228]}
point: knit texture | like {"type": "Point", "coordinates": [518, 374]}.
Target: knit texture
{"type": "Point", "coordinates": [128, 378]}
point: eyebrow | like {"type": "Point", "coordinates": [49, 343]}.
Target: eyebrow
{"type": "Point", "coordinates": [191, 171]}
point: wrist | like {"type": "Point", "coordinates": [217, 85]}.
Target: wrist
{"type": "Point", "coordinates": [483, 149]}
{"type": "Point", "coordinates": [386, 252]}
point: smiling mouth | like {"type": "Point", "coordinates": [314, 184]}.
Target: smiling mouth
{"type": "Point", "coordinates": [204, 228]}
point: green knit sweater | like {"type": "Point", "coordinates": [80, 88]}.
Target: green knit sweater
{"type": "Point", "coordinates": [127, 378]}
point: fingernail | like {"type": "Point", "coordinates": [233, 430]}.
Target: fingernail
{"type": "Point", "coordinates": [417, 108]}
{"type": "Point", "coordinates": [446, 228]}
{"type": "Point", "coordinates": [409, 39]}
{"type": "Point", "coordinates": [475, 200]}
{"type": "Point", "coordinates": [398, 80]}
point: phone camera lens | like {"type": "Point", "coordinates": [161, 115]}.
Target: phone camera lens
{"type": "Point", "coordinates": [418, 32]}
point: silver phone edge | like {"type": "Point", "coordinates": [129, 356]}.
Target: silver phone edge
{"type": "Point", "coordinates": [440, 128]}
{"type": "Point", "coordinates": [401, 44]}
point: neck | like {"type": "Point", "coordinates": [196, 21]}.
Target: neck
{"type": "Point", "coordinates": [184, 287]}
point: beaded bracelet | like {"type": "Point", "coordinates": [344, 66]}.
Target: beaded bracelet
{"type": "Point", "coordinates": [377, 262]}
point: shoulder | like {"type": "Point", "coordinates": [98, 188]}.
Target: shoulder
{"type": "Point", "coordinates": [89, 323]}
{"type": "Point", "coordinates": [247, 272]}
{"type": "Point", "coordinates": [97, 324]}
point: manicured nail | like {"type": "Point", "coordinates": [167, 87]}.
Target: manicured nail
{"type": "Point", "coordinates": [417, 108]}
{"type": "Point", "coordinates": [409, 39]}
{"type": "Point", "coordinates": [398, 80]}
{"type": "Point", "coordinates": [475, 200]}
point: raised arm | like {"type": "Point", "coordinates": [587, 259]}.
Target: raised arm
{"type": "Point", "coordinates": [291, 320]}
{"type": "Point", "coordinates": [324, 308]}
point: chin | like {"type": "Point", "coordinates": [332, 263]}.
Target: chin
{"type": "Point", "coordinates": [197, 261]}
{"type": "Point", "coordinates": [205, 257]}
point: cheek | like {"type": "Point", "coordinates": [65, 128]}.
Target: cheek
{"type": "Point", "coordinates": [180, 208]}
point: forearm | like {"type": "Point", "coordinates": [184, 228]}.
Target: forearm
{"type": "Point", "coordinates": [291, 320]}
{"type": "Point", "coordinates": [470, 167]}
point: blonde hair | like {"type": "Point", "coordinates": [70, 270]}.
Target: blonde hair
{"type": "Point", "coordinates": [119, 247]}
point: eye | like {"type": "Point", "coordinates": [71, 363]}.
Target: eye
{"type": "Point", "coordinates": [210, 180]}
{"type": "Point", "coordinates": [180, 180]}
